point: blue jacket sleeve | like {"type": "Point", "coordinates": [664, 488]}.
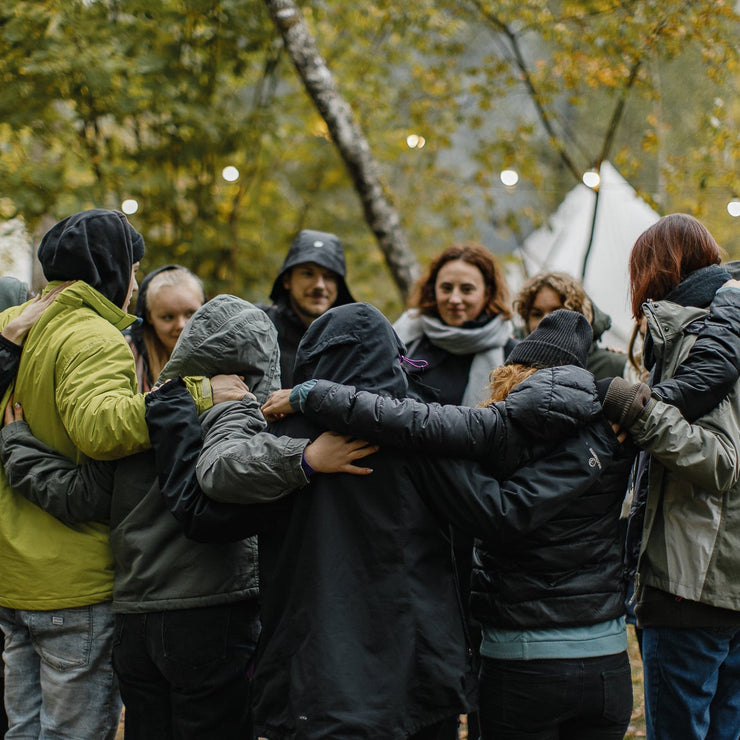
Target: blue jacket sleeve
{"type": "Point", "coordinates": [176, 436]}
{"type": "Point", "coordinates": [712, 367]}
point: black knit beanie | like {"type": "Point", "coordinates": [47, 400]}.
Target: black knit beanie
{"type": "Point", "coordinates": [97, 246]}
{"type": "Point", "coordinates": [562, 338]}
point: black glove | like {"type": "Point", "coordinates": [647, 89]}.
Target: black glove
{"type": "Point", "coordinates": [625, 401]}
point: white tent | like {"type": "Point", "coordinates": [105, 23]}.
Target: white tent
{"type": "Point", "coordinates": [561, 244]}
{"type": "Point", "coordinates": [16, 252]}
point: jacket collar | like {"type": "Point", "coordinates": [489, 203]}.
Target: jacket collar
{"type": "Point", "coordinates": [81, 294]}
{"type": "Point", "coordinates": [667, 323]}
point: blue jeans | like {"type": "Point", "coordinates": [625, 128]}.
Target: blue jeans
{"type": "Point", "coordinates": [59, 680]}
{"type": "Point", "coordinates": [556, 699]}
{"type": "Point", "coordinates": [692, 683]}
{"type": "Point", "coordinates": [185, 673]}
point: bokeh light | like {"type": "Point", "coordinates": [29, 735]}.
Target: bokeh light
{"type": "Point", "coordinates": [414, 141]}
{"type": "Point", "coordinates": [591, 179]}
{"type": "Point", "coordinates": [509, 177]}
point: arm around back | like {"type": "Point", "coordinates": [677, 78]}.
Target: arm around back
{"type": "Point", "coordinates": [72, 493]}
{"type": "Point", "coordinates": [176, 436]}
{"type": "Point", "coordinates": [501, 511]}
{"type": "Point", "coordinates": [552, 403]}
{"type": "Point", "coordinates": [241, 462]}
{"type": "Point", "coordinates": [712, 368]}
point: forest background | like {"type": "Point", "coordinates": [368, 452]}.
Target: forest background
{"type": "Point", "coordinates": [387, 123]}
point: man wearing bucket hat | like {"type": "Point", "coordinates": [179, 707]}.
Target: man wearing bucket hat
{"type": "Point", "coordinates": [310, 282]}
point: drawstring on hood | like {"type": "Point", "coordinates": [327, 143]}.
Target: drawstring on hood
{"type": "Point", "coordinates": [414, 364]}
{"type": "Point", "coordinates": [97, 246]}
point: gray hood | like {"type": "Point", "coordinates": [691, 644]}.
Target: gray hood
{"type": "Point", "coordinates": [13, 292]}
{"type": "Point", "coordinates": [228, 335]}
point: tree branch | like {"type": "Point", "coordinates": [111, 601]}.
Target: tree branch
{"type": "Point", "coordinates": [349, 139]}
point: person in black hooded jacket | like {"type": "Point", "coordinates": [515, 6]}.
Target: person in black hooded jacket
{"type": "Point", "coordinates": [548, 588]}
{"type": "Point", "coordinates": [310, 282]}
{"type": "Point", "coordinates": [363, 631]}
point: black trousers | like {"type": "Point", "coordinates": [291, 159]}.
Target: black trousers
{"type": "Point", "coordinates": [185, 673]}
{"type": "Point", "coordinates": [570, 699]}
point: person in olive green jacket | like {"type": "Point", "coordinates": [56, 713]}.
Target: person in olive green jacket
{"type": "Point", "coordinates": [13, 292]}
{"type": "Point", "coordinates": [77, 383]}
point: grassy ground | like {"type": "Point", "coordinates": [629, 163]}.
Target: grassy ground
{"type": "Point", "coordinates": [637, 725]}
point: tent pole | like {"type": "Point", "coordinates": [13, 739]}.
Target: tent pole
{"type": "Point", "coordinates": [591, 234]}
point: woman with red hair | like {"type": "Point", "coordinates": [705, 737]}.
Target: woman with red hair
{"type": "Point", "coordinates": [688, 567]}
{"type": "Point", "coordinates": [457, 330]}
{"type": "Point", "coordinates": [458, 325]}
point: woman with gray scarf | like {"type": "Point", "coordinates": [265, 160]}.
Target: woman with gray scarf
{"type": "Point", "coordinates": [457, 329]}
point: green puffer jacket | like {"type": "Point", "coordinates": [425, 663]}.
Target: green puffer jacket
{"type": "Point", "coordinates": [691, 537]}
{"type": "Point", "coordinates": [77, 384]}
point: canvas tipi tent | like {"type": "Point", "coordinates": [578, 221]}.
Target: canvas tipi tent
{"type": "Point", "coordinates": [561, 245]}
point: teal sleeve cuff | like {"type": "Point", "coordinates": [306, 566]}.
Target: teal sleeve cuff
{"type": "Point", "coordinates": [299, 394]}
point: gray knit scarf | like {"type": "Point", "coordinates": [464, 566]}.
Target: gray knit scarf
{"type": "Point", "coordinates": [486, 342]}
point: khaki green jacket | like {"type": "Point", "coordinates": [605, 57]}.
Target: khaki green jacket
{"type": "Point", "coordinates": [77, 384]}
{"type": "Point", "coordinates": [691, 537]}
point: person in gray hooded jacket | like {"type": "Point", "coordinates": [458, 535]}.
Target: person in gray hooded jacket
{"type": "Point", "coordinates": [187, 614]}
{"type": "Point", "coordinates": [310, 282]}
{"type": "Point", "coordinates": [687, 586]}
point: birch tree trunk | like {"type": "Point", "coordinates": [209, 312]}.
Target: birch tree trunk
{"type": "Point", "coordinates": [349, 139]}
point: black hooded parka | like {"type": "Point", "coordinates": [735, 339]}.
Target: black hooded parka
{"type": "Point", "coordinates": [363, 635]}
{"type": "Point", "coordinates": [321, 248]}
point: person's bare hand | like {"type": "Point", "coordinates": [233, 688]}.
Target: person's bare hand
{"type": "Point", "coordinates": [277, 405]}
{"type": "Point", "coordinates": [16, 329]}
{"type": "Point", "coordinates": [229, 388]}
{"type": "Point", "coordinates": [621, 436]}
{"type": "Point", "coordinates": [334, 453]}
{"type": "Point", "coordinates": [13, 411]}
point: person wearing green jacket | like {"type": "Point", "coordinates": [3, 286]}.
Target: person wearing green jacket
{"type": "Point", "coordinates": [77, 383]}
{"type": "Point", "coordinates": [13, 292]}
